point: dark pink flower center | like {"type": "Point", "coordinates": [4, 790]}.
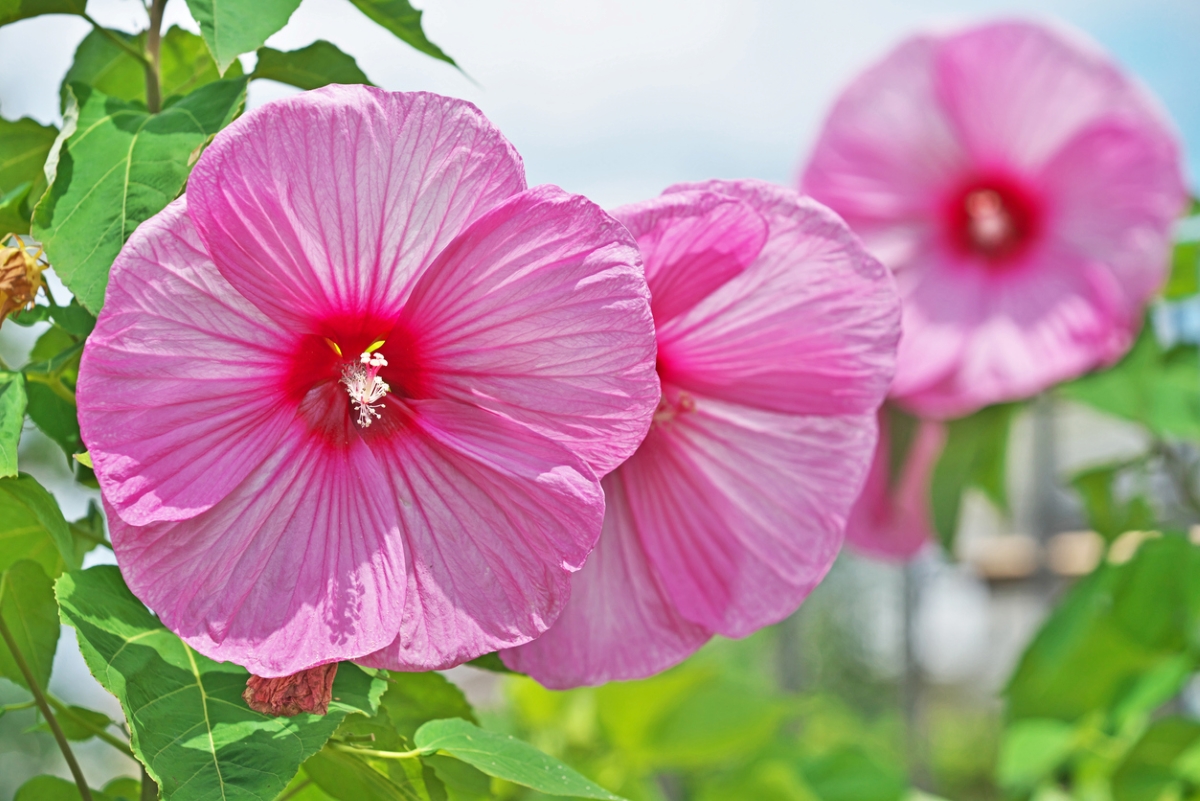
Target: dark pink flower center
{"type": "Point", "coordinates": [331, 383]}
{"type": "Point", "coordinates": [994, 218]}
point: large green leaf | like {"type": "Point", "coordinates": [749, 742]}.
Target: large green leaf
{"type": "Point", "coordinates": [28, 608]}
{"type": "Point", "coordinates": [55, 417]}
{"type": "Point", "coordinates": [117, 166]}
{"type": "Point", "coordinates": [184, 63]}
{"type": "Point", "coordinates": [1160, 390]}
{"type": "Point", "coordinates": [233, 27]}
{"type": "Point", "coordinates": [187, 720]}
{"type": "Point", "coordinates": [24, 146]}
{"type": "Point", "coordinates": [1109, 515]}
{"type": "Point", "coordinates": [404, 21]}
{"type": "Point", "coordinates": [32, 527]}
{"type": "Point", "coordinates": [1032, 750]}
{"type": "Point", "coordinates": [1113, 643]}
{"type": "Point", "coordinates": [347, 777]}
{"type": "Point", "coordinates": [1151, 770]}
{"type": "Point", "coordinates": [52, 788]}
{"type": "Point", "coordinates": [976, 455]}
{"type": "Point", "coordinates": [13, 10]}
{"type": "Point", "coordinates": [12, 416]}
{"type": "Point", "coordinates": [850, 774]}
{"type": "Point", "coordinates": [506, 758]}
{"type": "Point", "coordinates": [309, 67]}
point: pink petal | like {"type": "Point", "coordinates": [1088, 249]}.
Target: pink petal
{"type": "Point", "coordinates": [301, 564]}
{"type": "Point", "coordinates": [891, 519]}
{"type": "Point", "coordinates": [692, 243]}
{"type": "Point", "coordinates": [887, 152]}
{"type": "Point", "coordinates": [741, 511]}
{"type": "Point", "coordinates": [178, 389]}
{"type": "Point", "coordinates": [331, 201]}
{"type": "Point", "coordinates": [1115, 192]}
{"type": "Point", "coordinates": [1017, 92]}
{"type": "Point", "coordinates": [809, 328]}
{"type": "Point", "coordinates": [495, 519]}
{"type": "Point", "coordinates": [619, 624]}
{"type": "Point", "coordinates": [539, 311]}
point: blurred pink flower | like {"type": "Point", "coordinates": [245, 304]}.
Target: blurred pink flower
{"type": "Point", "coordinates": [350, 397]}
{"type": "Point", "coordinates": [776, 342]}
{"type": "Point", "coordinates": [892, 518]}
{"type": "Point", "coordinates": [1022, 189]}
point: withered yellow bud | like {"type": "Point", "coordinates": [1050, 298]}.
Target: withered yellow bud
{"type": "Point", "coordinates": [20, 276]}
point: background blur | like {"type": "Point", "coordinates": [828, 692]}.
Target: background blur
{"type": "Point", "coordinates": [617, 99]}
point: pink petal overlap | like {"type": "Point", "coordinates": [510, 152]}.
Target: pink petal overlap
{"type": "Point", "coordinates": [539, 311]}
{"type": "Point", "coordinates": [495, 519]}
{"type": "Point", "coordinates": [177, 388]}
{"type": "Point", "coordinates": [740, 344]}
{"type": "Point", "coordinates": [333, 200]}
{"type": "Point", "coordinates": [619, 624]}
{"type": "Point", "coordinates": [258, 580]}
{"type": "Point", "coordinates": [891, 519]}
{"type": "Point", "coordinates": [1077, 176]}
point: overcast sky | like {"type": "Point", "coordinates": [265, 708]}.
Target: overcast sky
{"type": "Point", "coordinates": [616, 99]}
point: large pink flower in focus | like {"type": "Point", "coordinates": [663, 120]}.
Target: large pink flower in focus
{"type": "Point", "coordinates": [776, 343]}
{"type": "Point", "coordinates": [1022, 189]}
{"type": "Point", "coordinates": [351, 395]}
{"type": "Point", "coordinates": [892, 519]}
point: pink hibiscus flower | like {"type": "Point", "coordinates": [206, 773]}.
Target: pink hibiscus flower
{"type": "Point", "coordinates": [892, 518]}
{"type": "Point", "coordinates": [350, 396]}
{"type": "Point", "coordinates": [776, 342]}
{"type": "Point", "coordinates": [1022, 189]}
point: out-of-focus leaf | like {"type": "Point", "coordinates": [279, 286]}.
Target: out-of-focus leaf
{"type": "Point", "coordinates": [1149, 771]}
{"type": "Point", "coordinates": [1185, 271]}
{"type": "Point", "coordinates": [124, 789]}
{"type": "Point", "coordinates": [117, 166]}
{"type": "Point", "coordinates": [900, 428]}
{"type": "Point", "coordinates": [184, 63]}
{"type": "Point", "coordinates": [404, 21]}
{"type": "Point", "coordinates": [506, 758]}
{"type": "Point", "coordinates": [1159, 390]}
{"type": "Point", "coordinates": [1031, 750]}
{"type": "Point", "coordinates": [850, 774]}
{"type": "Point", "coordinates": [28, 608]}
{"type": "Point", "coordinates": [233, 27]}
{"type": "Point", "coordinates": [1113, 628]}
{"type": "Point", "coordinates": [764, 780]}
{"type": "Point", "coordinates": [187, 720]}
{"type": "Point", "coordinates": [27, 317]}
{"type": "Point", "coordinates": [309, 67]}
{"type": "Point", "coordinates": [24, 147]}
{"type": "Point", "coordinates": [12, 416]}
{"type": "Point", "coordinates": [32, 527]}
{"type": "Point", "coordinates": [1152, 689]}
{"type": "Point", "coordinates": [976, 455]}
{"type": "Point", "coordinates": [52, 788]}
{"type": "Point", "coordinates": [73, 726]}
{"type": "Point", "coordinates": [14, 10]}
{"type": "Point", "coordinates": [1107, 515]}
{"type": "Point", "coordinates": [492, 662]}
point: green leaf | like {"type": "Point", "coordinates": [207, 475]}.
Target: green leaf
{"type": "Point", "coordinates": [55, 417]}
{"type": "Point", "coordinates": [1107, 515]}
{"type": "Point", "coordinates": [506, 758]}
{"type": "Point", "coordinates": [32, 527]}
{"type": "Point", "coordinates": [492, 662]}
{"type": "Point", "coordinates": [73, 318]}
{"type": "Point", "coordinates": [349, 778]}
{"type": "Point", "coordinates": [900, 428]}
{"type": "Point", "coordinates": [12, 416]}
{"type": "Point", "coordinates": [1113, 642]}
{"type": "Point", "coordinates": [52, 788]}
{"type": "Point", "coordinates": [233, 27]}
{"type": "Point", "coordinates": [117, 166]}
{"type": "Point", "coordinates": [184, 63]}
{"type": "Point", "coordinates": [72, 726]}
{"type": "Point", "coordinates": [1149, 771]}
{"type": "Point", "coordinates": [24, 147]}
{"type": "Point", "coordinates": [124, 789]}
{"type": "Point", "coordinates": [310, 67]}
{"type": "Point", "coordinates": [28, 608]}
{"type": "Point", "coordinates": [187, 720]}
{"type": "Point", "coordinates": [1160, 390]}
{"type": "Point", "coordinates": [850, 774]}
{"type": "Point", "coordinates": [13, 10]}
{"type": "Point", "coordinates": [404, 21]}
{"type": "Point", "coordinates": [413, 699]}
{"type": "Point", "coordinates": [1184, 280]}
{"type": "Point", "coordinates": [1032, 750]}
{"type": "Point", "coordinates": [976, 455]}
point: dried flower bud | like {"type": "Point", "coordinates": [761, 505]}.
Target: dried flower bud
{"type": "Point", "coordinates": [307, 691]}
{"type": "Point", "coordinates": [20, 276]}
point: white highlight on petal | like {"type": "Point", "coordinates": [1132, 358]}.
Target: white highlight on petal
{"type": "Point", "coordinates": [365, 387]}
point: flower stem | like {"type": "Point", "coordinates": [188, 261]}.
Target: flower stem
{"type": "Point", "coordinates": [99, 732]}
{"type": "Point", "coordinates": [85, 792]}
{"type": "Point", "coordinates": [149, 786]}
{"type": "Point", "coordinates": [370, 752]}
{"type": "Point", "coordinates": [299, 788]}
{"type": "Point", "coordinates": [153, 66]}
